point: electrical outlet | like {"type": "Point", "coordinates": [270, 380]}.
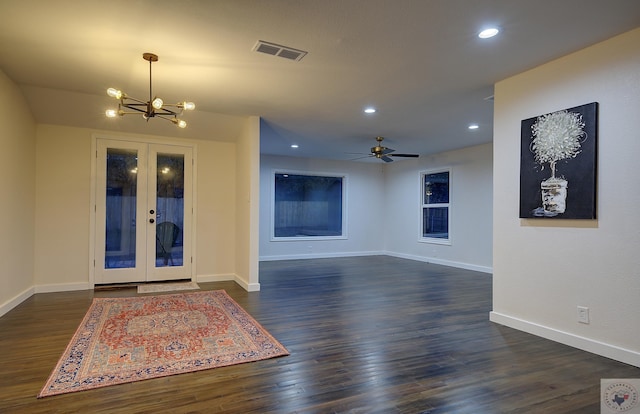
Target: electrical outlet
{"type": "Point", "coordinates": [583, 314]}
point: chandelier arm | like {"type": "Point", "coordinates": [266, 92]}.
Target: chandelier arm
{"type": "Point", "coordinates": [174, 119]}
{"type": "Point", "coordinates": [132, 99]}
{"type": "Point", "coordinates": [165, 111]}
{"type": "Point", "coordinates": [136, 107]}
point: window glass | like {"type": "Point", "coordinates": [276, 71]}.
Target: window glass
{"type": "Point", "coordinates": [308, 205]}
{"type": "Point", "coordinates": [435, 222]}
{"type": "Point", "coordinates": [435, 205]}
{"type": "Point", "coordinates": [436, 188]}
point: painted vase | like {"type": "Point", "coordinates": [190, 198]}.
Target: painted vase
{"type": "Point", "coordinates": [554, 195]}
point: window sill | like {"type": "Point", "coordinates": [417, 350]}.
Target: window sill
{"type": "Point", "coordinates": [307, 238]}
{"type": "Point", "coordinates": [445, 242]}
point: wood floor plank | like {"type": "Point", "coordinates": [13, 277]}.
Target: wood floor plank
{"type": "Point", "coordinates": [366, 335]}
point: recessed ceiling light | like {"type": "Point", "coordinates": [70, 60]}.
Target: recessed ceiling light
{"type": "Point", "coordinates": [294, 145]}
{"type": "Point", "coordinates": [487, 33]}
{"type": "Point", "coordinates": [370, 110]}
{"type": "Point", "coordinates": [473, 126]}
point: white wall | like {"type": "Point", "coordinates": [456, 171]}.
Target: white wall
{"type": "Point", "coordinates": [17, 202]}
{"type": "Point", "coordinates": [63, 194]}
{"type": "Point", "coordinates": [365, 209]}
{"type": "Point", "coordinates": [247, 205]}
{"type": "Point", "coordinates": [63, 183]}
{"type": "Point", "coordinates": [470, 210]}
{"type": "Point", "coordinates": [215, 211]}
{"type": "Point", "coordinates": [544, 269]}
{"type": "Point", "coordinates": [383, 209]}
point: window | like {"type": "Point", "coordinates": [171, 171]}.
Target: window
{"type": "Point", "coordinates": [308, 206]}
{"type": "Point", "coordinates": [435, 206]}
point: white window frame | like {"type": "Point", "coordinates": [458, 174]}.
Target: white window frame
{"type": "Point", "coordinates": [345, 179]}
{"type": "Point", "coordinates": [435, 240]}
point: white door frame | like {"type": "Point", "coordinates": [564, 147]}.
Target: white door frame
{"type": "Point", "coordinates": [93, 200]}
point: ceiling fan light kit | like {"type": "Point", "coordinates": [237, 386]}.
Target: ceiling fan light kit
{"type": "Point", "coordinates": [385, 153]}
{"type": "Point", "coordinates": [153, 108]}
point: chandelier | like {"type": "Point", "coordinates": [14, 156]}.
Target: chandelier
{"type": "Point", "coordinates": [153, 108]}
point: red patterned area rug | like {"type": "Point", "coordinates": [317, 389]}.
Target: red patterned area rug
{"type": "Point", "coordinates": [131, 339]}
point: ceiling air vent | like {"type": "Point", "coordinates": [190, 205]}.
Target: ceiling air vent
{"type": "Point", "coordinates": [278, 50]}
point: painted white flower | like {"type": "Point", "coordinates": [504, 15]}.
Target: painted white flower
{"type": "Point", "coordinates": [557, 136]}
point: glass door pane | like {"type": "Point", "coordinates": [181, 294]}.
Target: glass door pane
{"type": "Point", "coordinates": [120, 220]}
{"type": "Point", "coordinates": [121, 195]}
{"type": "Point", "coordinates": [170, 198]}
{"type": "Point", "coordinates": [169, 210]}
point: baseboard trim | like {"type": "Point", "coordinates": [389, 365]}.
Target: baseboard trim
{"type": "Point", "coordinates": [27, 293]}
{"type": "Point", "coordinates": [62, 287]}
{"type": "Point", "coordinates": [450, 263]}
{"type": "Point", "coordinates": [68, 287]}
{"type": "Point", "coordinates": [222, 277]}
{"type": "Point", "coordinates": [318, 256]}
{"type": "Point", "coordinates": [16, 300]}
{"type": "Point", "coordinates": [586, 344]}
{"type": "Point", "coordinates": [249, 287]}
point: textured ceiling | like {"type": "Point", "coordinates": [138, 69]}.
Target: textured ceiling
{"type": "Point", "coordinates": [419, 62]}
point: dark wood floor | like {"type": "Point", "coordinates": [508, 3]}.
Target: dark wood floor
{"type": "Point", "coordinates": [366, 335]}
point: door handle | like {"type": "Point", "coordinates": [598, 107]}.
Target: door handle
{"type": "Point", "coordinates": [152, 221]}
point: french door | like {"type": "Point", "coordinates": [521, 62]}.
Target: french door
{"type": "Point", "coordinates": [143, 212]}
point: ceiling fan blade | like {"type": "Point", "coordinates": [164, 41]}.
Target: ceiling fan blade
{"type": "Point", "coordinates": [386, 151]}
{"type": "Point", "coordinates": [386, 159]}
{"type": "Point", "coordinates": [360, 157]}
{"type": "Point", "coordinates": [405, 155]}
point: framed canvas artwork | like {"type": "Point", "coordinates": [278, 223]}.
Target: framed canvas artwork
{"type": "Point", "coordinates": [558, 159]}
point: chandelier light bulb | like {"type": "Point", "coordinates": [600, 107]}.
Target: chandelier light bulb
{"type": "Point", "coordinates": [114, 93]}
{"type": "Point", "coordinates": [153, 108]}
{"type": "Point", "coordinates": [157, 103]}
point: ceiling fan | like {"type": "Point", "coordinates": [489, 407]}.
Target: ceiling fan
{"type": "Point", "coordinates": [385, 153]}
